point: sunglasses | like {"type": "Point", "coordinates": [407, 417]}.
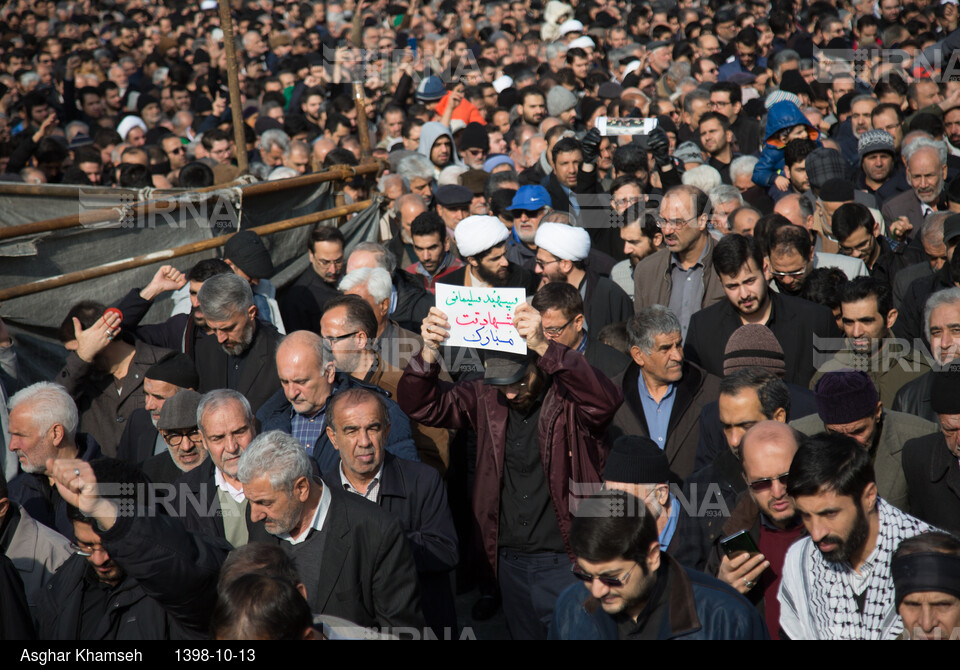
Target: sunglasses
{"type": "Point", "coordinates": [613, 582]}
{"type": "Point", "coordinates": [762, 485]}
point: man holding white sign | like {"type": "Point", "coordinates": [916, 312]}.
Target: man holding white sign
{"type": "Point", "coordinates": [541, 421]}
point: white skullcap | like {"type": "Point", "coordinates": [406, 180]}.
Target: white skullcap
{"type": "Point", "coordinates": [128, 124]}
{"type": "Point", "coordinates": [632, 66]}
{"type": "Point", "coordinates": [570, 26]}
{"type": "Point", "coordinates": [567, 242]}
{"type": "Point", "coordinates": [502, 83]}
{"type": "Point", "coordinates": [478, 233]}
{"type": "Point", "coordinates": [582, 42]}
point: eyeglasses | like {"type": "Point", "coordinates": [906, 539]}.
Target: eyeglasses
{"type": "Point", "coordinates": [338, 338]}
{"type": "Point", "coordinates": [174, 439]}
{"type": "Point", "coordinates": [792, 273]}
{"type": "Point", "coordinates": [625, 202]}
{"type": "Point", "coordinates": [664, 223]}
{"type": "Point", "coordinates": [557, 330]}
{"type": "Point", "coordinates": [716, 104]}
{"type": "Point", "coordinates": [529, 213]}
{"type": "Point", "coordinates": [86, 550]}
{"type": "Point", "coordinates": [603, 579]}
{"type": "Point", "coordinates": [542, 264]}
{"type": "Point", "coordinates": [324, 263]}
{"type": "Point", "coordinates": [762, 485]}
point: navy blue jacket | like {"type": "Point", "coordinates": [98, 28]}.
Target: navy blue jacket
{"type": "Point", "coordinates": [34, 494]}
{"type": "Point", "coordinates": [700, 608]}
{"type": "Point", "coordinates": [275, 414]}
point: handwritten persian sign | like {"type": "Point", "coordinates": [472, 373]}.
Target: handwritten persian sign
{"type": "Point", "coordinates": [482, 318]}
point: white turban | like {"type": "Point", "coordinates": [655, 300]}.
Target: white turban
{"type": "Point", "coordinates": [128, 124]}
{"type": "Point", "coordinates": [567, 242]}
{"type": "Point", "coordinates": [502, 83]}
{"type": "Point", "coordinates": [582, 42]}
{"type": "Point", "coordinates": [476, 234]}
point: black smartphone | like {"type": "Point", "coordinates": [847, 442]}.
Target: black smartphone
{"type": "Point", "coordinates": [738, 543]}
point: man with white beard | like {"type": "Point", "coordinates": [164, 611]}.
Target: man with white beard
{"type": "Point", "coordinates": [530, 204]}
{"type": "Point", "coordinates": [140, 439]}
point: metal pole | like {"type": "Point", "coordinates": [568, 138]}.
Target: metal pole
{"type": "Point", "coordinates": [176, 252]}
{"type": "Point", "coordinates": [239, 139]}
{"type": "Point", "coordinates": [108, 213]}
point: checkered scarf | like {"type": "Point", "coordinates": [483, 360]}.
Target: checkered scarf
{"type": "Point", "coordinates": [832, 601]}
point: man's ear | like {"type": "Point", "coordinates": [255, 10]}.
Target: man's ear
{"type": "Point", "coordinates": [332, 434]}
{"type": "Point", "coordinates": [301, 489]}
{"type": "Point", "coordinates": [892, 317]}
{"type": "Point", "coordinates": [58, 434]}
{"type": "Point", "coordinates": [868, 500]}
{"type": "Point", "coordinates": [252, 312]}
{"type": "Point", "coordinates": [653, 557]}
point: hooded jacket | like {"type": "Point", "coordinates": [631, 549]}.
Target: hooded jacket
{"type": "Point", "coordinates": [781, 116]}
{"type": "Point", "coordinates": [555, 13]}
{"type": "Point", "coordinates": [429, 134]}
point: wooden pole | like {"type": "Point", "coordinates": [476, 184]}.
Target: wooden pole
{"type": "Point", "coordinates": [363, 125]}
{"type": "Point", "coordinates": [150, 206]}
{"type": "Point", "coordinates": [176, 252]}
{"type": "Point", "coordinates": [239, 138]}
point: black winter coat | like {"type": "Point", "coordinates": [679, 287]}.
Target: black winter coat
{"type": "Point", "coordinates": [933, 481]}
{"type": "Point", "coordinates": [168, 593]}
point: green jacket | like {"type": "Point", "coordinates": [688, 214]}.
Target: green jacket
{"type": "Point", "coordinates": [896, 428]}
{"type": "Point", "coordinates": [889, 368]}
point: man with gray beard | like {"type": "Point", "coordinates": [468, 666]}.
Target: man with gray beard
{"type": "Point", "coordinates": [351, 557]}
{"type": "Point", "coordinates": [241, 358]}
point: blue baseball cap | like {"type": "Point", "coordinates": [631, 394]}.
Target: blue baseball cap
{"type": "Point", "coordinates": [531, 198]}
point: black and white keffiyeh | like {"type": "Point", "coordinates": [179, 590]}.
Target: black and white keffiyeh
{"type": "Point", "coordinates": [833, 605]}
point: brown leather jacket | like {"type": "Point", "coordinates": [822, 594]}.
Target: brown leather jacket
{"type": "Point", "coordinates": [578, 407]}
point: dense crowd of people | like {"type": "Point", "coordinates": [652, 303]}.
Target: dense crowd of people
{"type": "Point", "coordinates": [737, 417]}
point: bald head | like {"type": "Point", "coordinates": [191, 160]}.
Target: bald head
{"type": "Point", "coordinates": [301, 343]}
{"type": "Point", "coordinates": [409, 206]}
{"type": "Point", "coordinates": [789, 206]}
{"type": "Point", "coordinates": [766, 454]}
{"type": "Point", "coordinates": [767, 436]}
{"type": "Point", "coordinates": [304, 375]}
{"type": "Point", "coordinates": [321, 148]}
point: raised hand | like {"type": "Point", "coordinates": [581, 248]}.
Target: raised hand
{"type": "Point", "coordinates": [528, 323]}
{"type": "Point", "coordinates": [434, 330]}
{"type": "Point", "coordinates": [77, 484]}
{"type": "Point", "coordinates": [95, 339]}
{"type": "Point", "coordinates": [167, 278]}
